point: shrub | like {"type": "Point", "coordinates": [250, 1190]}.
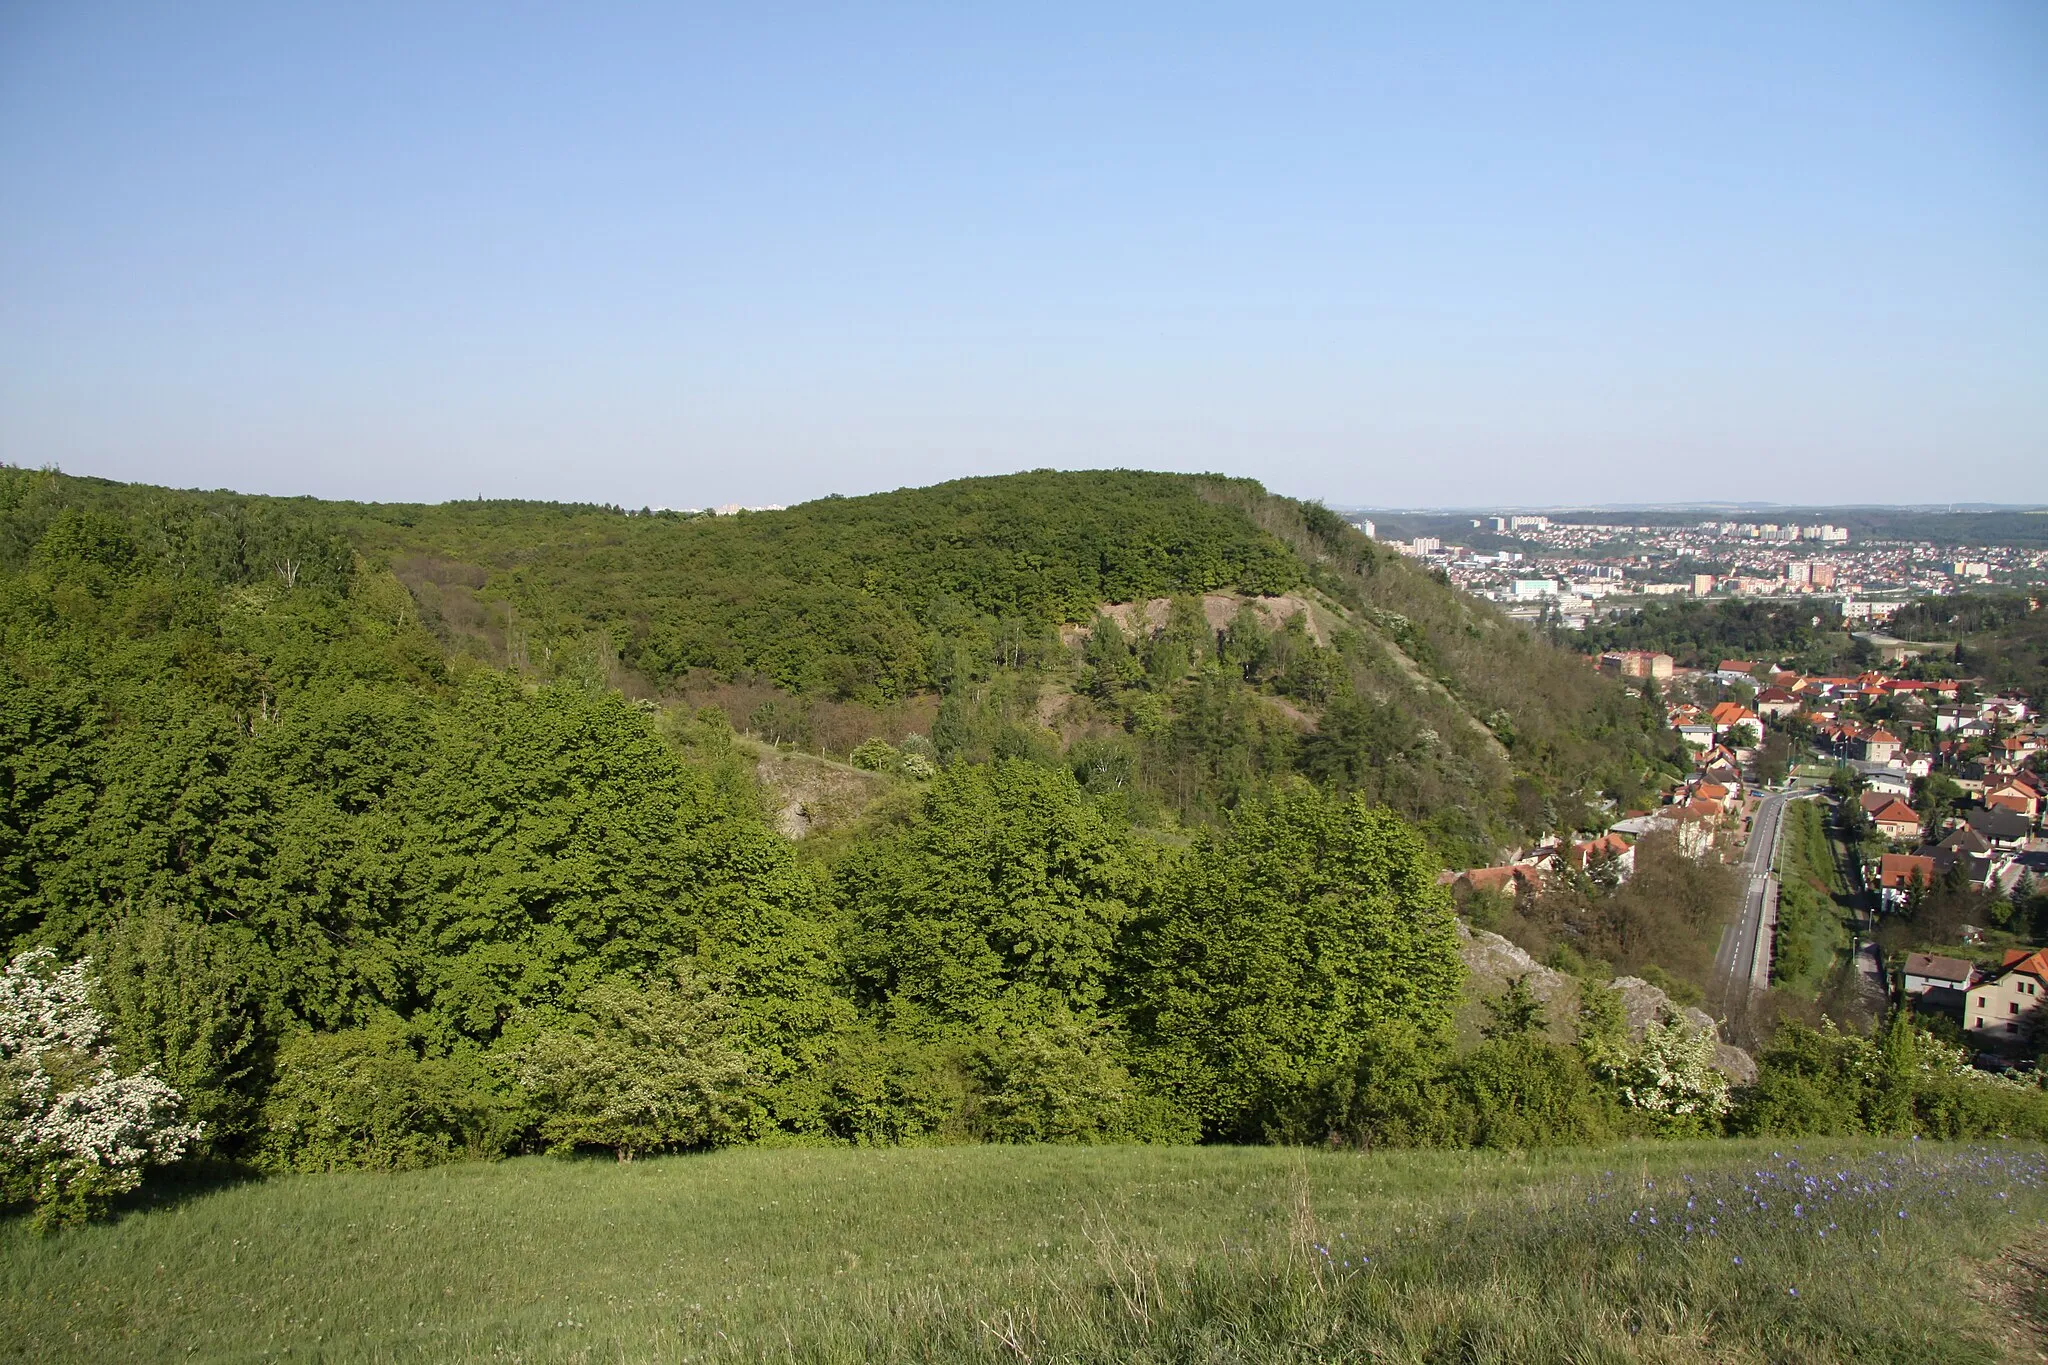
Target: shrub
{"type": "Point", "coordinates": [639, 1069]}
{"type": "Point", "coordinates": [1670, 1076]}
{"type": "Point", "coordinates": [875, 756]}
{"type": "Point", "coordinates": [1524, 1092]}
{"type": "Point", "coordinates": [1058, 1081]}
{"type": "Point", "coordinates": [367, 1098]}
{"type": "Point", "coordinates": [73, 1132]}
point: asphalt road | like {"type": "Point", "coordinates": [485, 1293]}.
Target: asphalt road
{"type": "Point", "coordinates": [1735, 964]}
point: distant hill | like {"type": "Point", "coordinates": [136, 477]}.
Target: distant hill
{"type": "Point", "coordinates": [825, 624]}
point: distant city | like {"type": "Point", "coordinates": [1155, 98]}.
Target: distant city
{"type": "Point", "coordinates": [1542, 566]}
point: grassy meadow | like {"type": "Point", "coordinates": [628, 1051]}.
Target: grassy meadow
{"type": "Point", "coordinates": [1727, 1251]}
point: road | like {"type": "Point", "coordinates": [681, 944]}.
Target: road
{"type": "Point", "coordinates": [1742, 967]}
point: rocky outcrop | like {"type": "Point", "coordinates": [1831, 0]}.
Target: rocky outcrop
{"type": "Point", "coordinates": [1494, 961]}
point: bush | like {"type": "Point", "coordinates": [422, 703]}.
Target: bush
{"type": "Point", "coordinates": [73, 1132]}
{"type": "Point", "coordinates": [1525, 1092]}
{"type": "Point", "coordinates": [1057, 1081]}
{"type": "Point", "coordinates": [1826, 1082]}
{"type": "Point", "coordinates": [640, 1069]}
{"type": "Point", "coordinates": [876, 756]}
{"type": "Point", "coordinates": [368, 1099]}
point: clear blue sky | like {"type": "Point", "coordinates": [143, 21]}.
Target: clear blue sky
{"type": "Point", "coordinates": [1437, 254]}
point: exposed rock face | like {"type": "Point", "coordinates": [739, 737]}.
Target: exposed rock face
{"type": "Point", "coordinates": [1494, 961]}
{"type": "Point", "coordinates": [1141, 619]}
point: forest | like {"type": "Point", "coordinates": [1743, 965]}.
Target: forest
{"type": "Point", "coordinates": [391, 838]}
{"type": "Point", "coordinates": [2001, 638]}
{"type": "Point", "coordinates": [1808, 636]}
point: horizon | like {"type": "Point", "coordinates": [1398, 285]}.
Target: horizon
{"type": "Point", "coordinates": [1443, 509]}
{"type": "Point", "coordinates": [645, 258]}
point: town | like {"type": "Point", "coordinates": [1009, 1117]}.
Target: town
{"type": "Point", "coordinates": [1577, 572]}
{"type": "Point", "coordinates": [1934, 792]}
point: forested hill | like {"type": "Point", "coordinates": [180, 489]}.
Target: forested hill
{"type": "Point", "coordinates": [1392, 683]}
{"type": "Point", "coordinates": [394, 833]}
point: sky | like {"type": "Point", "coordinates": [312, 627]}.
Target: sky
{"type": "Point", "coordinates": [1428, 255]}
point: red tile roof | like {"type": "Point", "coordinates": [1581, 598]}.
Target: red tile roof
{"type": "Point", "coordinates": [1897, 869]}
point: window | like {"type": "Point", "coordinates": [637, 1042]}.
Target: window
{"type": "Point", "coordinates": [1980, 1021]}
{"type": "Point", "coordinates": [2012, 1028]}
{"type": "Point", "coordinates": [1982, 1001]}
{"type": "Point", "coordinates": [2012, 1007]}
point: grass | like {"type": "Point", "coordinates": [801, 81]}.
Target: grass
{"type": "Point", "coordinates": [1059, 1254]}
{"type": "Point", "coordinates": [1814, 906]}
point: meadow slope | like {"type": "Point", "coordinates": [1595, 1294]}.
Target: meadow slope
{"type": "Point", "coordinates": [1673, 1252]}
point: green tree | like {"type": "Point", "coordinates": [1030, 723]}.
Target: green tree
{"type": "Point", "coordinates": [183, 998]}
{"type": "Point", "coordinates": [1283, 943]}
{"type": "Point", "coordinates": [639, 1068]}
{"type": "Point", "coordinates": [1003, 899]}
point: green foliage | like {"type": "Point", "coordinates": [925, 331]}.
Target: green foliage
{"type": "Point", "coordinates": [1810, 927]}
{"type": "Point", "coordinates": [1059, 1081]}
{"type": "Point", "coordinates": [1284, 942]}
{"type": "Point", "coordinates": [348, 804]}
{"type": "Point", "coordinates": [875, 756]}
{"type": "Point", "coordinates": [1806, 635]}
{"type": "Point", "coordinates": [2002, 637]}
{"type": "Point", "coordinates": [1524, 1092]}
{"type": "Point", "coordinates": [1815, 1082]}
{"type": "Point", "coordinates": [639, 1069]}
{"type": "Point", "coordinates": [1003, 899]}
{"type": "Point", "coordinates": [179, 999]}
{"type": "Point", "coordinates": [1516, 1013]}
{"type": "Point", "coordinates": [373, 1098]}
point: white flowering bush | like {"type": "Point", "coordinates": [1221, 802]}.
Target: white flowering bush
{"type": "Point", "coordinates": [1671, 1072]}
{"type": "Point", "coordinates": [74, 1132]}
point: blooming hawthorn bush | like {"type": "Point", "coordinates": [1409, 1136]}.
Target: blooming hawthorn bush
{"type": "Point", "coordinates": [1671, 1073]}
{"type": "Point", "coordinates": [73, 1131]}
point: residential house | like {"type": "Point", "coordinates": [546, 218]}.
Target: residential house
{"type": "Point", "coordinates": [2005, 710]}
{"type": "Point", "coordinates": [2004, 830]}
{"type": "Point", "coordinates": [1720, 756]}
{"type": "Point", "coordinates": [1610, 854]}
{"type": "Point", "coordinates": [1723, 774]}
{"type": "Point", "coordinates": [1890, 816]}
{"type": "Point", "coordinates": [1962, 720]}
{"type": "Point", "coordinates": [1775, 702]}
{"type": "Point", "coordinates": [1514, 880]}
{"type": "Point", "coordinates": [1698, 736]}
{"type": "Point", "coordinates": [1930, 972]}
{"type": "Point", "coordinates": [1880, 746]}
{"type": "Point", "coordinates": [1690, 824]}
{"type": "Point", "coordinates": [2016, 748]}
{"type": "Point", "coordinates": [1738, 722]}
{"type": "Point", "coordinates": [1879, 778]}
{"type": "Point", "coordinates": [1965, 846]}
{"type": "Point", "coordinates": [1898, 874]}
{"type": "Point", "coordinates": [1637, 663]}
{"type": "Point", "coordinates": [1999, 1007]}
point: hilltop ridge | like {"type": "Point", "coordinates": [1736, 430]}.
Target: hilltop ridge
{"type": "Point", "coordinates": [833, 618]}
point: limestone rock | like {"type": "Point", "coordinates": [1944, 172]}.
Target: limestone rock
{"type": "Point", "coordinates": [1493, 962]}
